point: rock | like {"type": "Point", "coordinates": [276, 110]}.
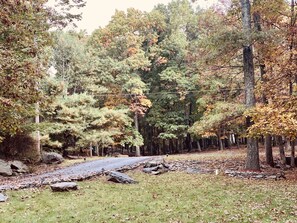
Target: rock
{"type": "Point", "coordinates": [118, 177]}
{"type": "Point", "coordinates": [156, 170]}
{"type": "Point", "coordinates": [52, 158]}
{"type": "Point", "coordinates": [256, 175]}
{"type": "Point", "coordinates": [3, 198]}
{"type": "Point", "coordinates": [154, 162]}
{"type": "Point", "coordinates": [199, 171]}
{"type": "Point", "coordinates": [19, 167]}
{"type": "Point", "coordinates": [150, 169]}
{"type": "Point", "coordinates": [5, 168]}
{"type": "Point", "coordinates": [192, 171]}
{"type": "Point", "coordinates": [63, 186]}
{"type": "Point", "coordinates": [159, 171]}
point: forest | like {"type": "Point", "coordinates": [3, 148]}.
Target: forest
{"type": "Point", "coordinates": [173, 80]}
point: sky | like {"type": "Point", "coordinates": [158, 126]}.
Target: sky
{"type": "Point", "coordinates": [98, 13]}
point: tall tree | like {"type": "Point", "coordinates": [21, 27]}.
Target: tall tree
{"type": "Point", "coordinates": [252, 160]}
{"type": "Point", "coordinates": [261, 60]}
{"type": "Point", "coordinates": [24, 35]}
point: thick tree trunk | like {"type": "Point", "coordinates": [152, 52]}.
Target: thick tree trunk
{"type": "Point", "coordinates": [268, 150]}
{"type": "Point", "coordinates": [252, 161]}
{"type": "Point", "coordinates": [282, 154]}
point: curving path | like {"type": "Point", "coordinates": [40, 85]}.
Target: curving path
{"type": "Point", "coordinates": [77, 172]}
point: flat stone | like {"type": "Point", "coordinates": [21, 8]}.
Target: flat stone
{"type": "Point", "coordinates": [5, 168]}
{"type": "Point", "coordinates": [150, 169]}
{"type": "Point", "coordinates": [199, 171]}
{"type": "Point", "coordinates": [3, 198]}
{"type": "Point", "coordinates": [118, 177]}
{"type": "Point", "coordinates": [19, 167]}
{"type": "Point", "coordinates": [63, 186]}
{"type": "Point", "coordinates": [154, 162]}
{"type": "Point", "coordinates": [259, 176]}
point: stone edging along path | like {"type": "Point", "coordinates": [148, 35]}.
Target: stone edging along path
{"type": "Point", "coordinates": [77, 172]}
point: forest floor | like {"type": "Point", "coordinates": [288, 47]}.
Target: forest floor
{"type": "Point", "coordinates": [173, 197]}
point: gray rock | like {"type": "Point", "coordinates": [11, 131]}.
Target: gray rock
{"type": "Point", "coordinates": [3, 198]}
{"type": "Point", "coordinates": [159, 171]}
{"type": "Point", "coordinates": [199, 171]}
{"type": "Point", "coordinates": [19, 167]}
{"type": "Point", "coordinates": [156, 170]}
{"type": "Point", "coordinates": [5, 168]}
{"type": "Point", "coordinates": [150, 169]}
{"type": "Point", "coordinates": [154, 162]}
{"type": "Point", "coordinates": [118, 177]}
{"type": "Point", "coordinates": [52, 158]}
{"type": "Point", "coordinates": [193, 171]}
{"type": "Point", "coordinates": [63, 186]}
{"type": "Point", "coordinates": [258, 176]}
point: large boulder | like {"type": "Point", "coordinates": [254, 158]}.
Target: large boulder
{"type": "Point", "coordinates": [52, 158]}
{"type": "Point", "coordinates": [63, 186]}
{"type": "Point", "coordinates": [3, 198]}
{"type": "Point", "coordinates": [5, 168]}
{"type": "Point", "coordinates": [118, 177]}
{"type": "Point", "coordinates": [19, 167]}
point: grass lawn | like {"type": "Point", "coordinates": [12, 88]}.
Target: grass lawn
{"type": "Point", "coordinates": [172, 197]}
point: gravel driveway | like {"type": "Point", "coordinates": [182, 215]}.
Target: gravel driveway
{"type": "Point", "coordinates": [77, 172]}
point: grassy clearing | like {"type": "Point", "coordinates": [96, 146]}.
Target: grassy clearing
{"type": "Point", "coordinates": [171, 197]}
{"type": "Point", "coordinates": [210, 155]}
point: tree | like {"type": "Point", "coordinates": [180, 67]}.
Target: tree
{"type": "Point", "coordinates": [118, 48]}
{"type": "Point", "coordinates": [24, 36]}
{"type": "Point", "coordinates": [252, 161]}
{"type": "Point", "coordinates": [24, 27]}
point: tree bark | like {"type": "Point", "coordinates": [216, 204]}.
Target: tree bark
{"type": "Point", "coordinates": [267, 138]}
{"type": "Point", "coordinates": [221, 144]}
{"type": "Point", "coordinates": [137, 152]}
{"type": "Point", "coordinates": [252, 161]}
{"type": "Point", "coordinates": [198, 146]}
{"type": "Point", "coordinates": [268, 150]}
{"type": "Point", "coordinates": [281, 150]}
{"type": "Point", "coordinates": [293, 153]}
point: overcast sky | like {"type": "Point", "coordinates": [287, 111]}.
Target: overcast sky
{"type": "Point", "coordinates": [97, 13]}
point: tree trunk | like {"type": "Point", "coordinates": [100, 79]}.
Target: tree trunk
{"type": "Point", "coordinates": [267, 138]}
{"type": "Point", "coordinates": [281, 150]}
{"type": "Point", "coordinates": [221, 143]}
{"type": "Point", "coordinates": [137, 152]}
{"type": "Point", "coordinates": [252, 161]}
{"type": "Point", "coordinates": [199, 146]}
{"type": "Point", "coordinates": [97, 150]}
{"type": "Point", "coordinates": [268, 150]}
{"type": "Point", "coordinates": [189, 143]}
{"type": "Point", "coordinates": [37, 121]}
{"type": "Point", "coordinates": [293, 154]}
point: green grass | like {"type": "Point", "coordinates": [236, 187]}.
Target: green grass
{"type": "Point", "coordinates": [172, 197]}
